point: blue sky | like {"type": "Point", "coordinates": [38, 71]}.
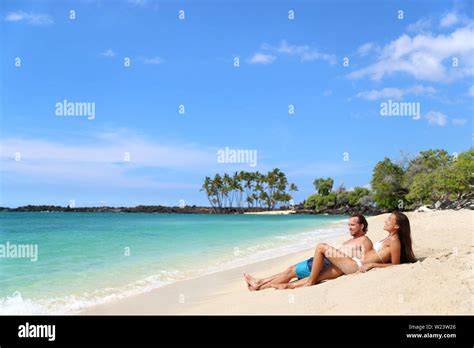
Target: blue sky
{"type": "Point", "coordinates": [426, 57]}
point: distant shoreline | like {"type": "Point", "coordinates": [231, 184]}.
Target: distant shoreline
{"type": "Point", "coordinates": [465, 202]}
{"type": "Point", "coordinates": [144, 209]}
{"type": "Point", "coordinates": [299, 209]}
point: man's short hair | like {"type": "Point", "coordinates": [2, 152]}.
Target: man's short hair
{"type": "Point", "coordinates": [361, 220]}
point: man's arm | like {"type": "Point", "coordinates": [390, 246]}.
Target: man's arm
{"type": "Point", "coordinates": [368, 245]}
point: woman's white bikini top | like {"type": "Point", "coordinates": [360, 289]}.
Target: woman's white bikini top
{"type": "Point", "coordinates": [378, 245]}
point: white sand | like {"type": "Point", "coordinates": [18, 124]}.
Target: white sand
{"type": "Point", "coordinates": [271, 212]}
{"type": "Point", "coordinates": [441, 282]}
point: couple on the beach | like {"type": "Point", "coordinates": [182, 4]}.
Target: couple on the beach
{"type": "Point", "coordinates": [356, 254]}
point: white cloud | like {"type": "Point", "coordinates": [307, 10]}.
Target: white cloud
{"type": "Point", "coordinates": [436, 118]}
{"type": "Point", "coordinates": [420, 89]}
{"type": "Point", "coordinates": [419, 26]}
{"type": "Point", "coordinates": [365, 49]}
{"type": "Point", "coordinates": [29, 17]}
{"type": "Point", "coordinates": [470, 92]}
{"type": "Point", "coordinates": [109, 53]}
{"type": "Point", "coordinates": [262, 58]}
{"type": "Point", "coordinates": [101, 162]}
{"type": "Point", "coordinates": [449, 19]}
{"type": "Point", "coordinates": [425, 57]}
{"type": "Point", "coordinates": [155, 60]}
{"type": "Point", "coordinates": [373, 94]}
{"type": "Point", "coordinates": [15, 16]}
{"type": "Point", "coordinates": [305, 52]}
{"type": "Point", "coordinates": [395, 93]}
{"type": "Point", "coordinates": [459, 121]}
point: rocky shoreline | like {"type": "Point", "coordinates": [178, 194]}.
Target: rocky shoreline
{"type": "Point", "coordinates": [465, 202]}
{"type": "Point", "coordinates": [138, 209]}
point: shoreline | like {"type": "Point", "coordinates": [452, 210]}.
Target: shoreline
{"type": "Point", "coordinates": [261, 259]}
{"type": "Point", "coordinates": [271, 212]}
{"type": "Point", "coordinates": [176, 298]}
{"type": "Point", "coordinates": [282, 241]}
{"type": "Point", "coordinates": [158, 209]}
{"type": "Point", "coordinates": [440, 282]}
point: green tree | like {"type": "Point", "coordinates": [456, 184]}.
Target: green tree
{"type": "Point", "coordinates": [356, 194]}
{"type": "Point", "coordinates": [439, 176]}
{"type": "Point", "coordinates": [366, 201]}
{"type": "Point", "coordinates": [319, 202]}
{"type": "Point", "coordinates": [342, 198]}
{"type": "Point", "coordinates": [313, 201]}
{"type": "Point", "coordinates": [386, 182]}
{"type": "Point", "coordinates": [450, 183]}
{"type": "Point", "coordinates": [454, 180]}
{"type": "Point", "coordinates": [217, 188]}
{"type": "Point", "coordinates": [260, 190]}
{"type": "Point", "coordinates": [465, 164]}
{"type": "Point", "coordinates": [421, 188]}
{"type": "Point", "coordinates": [323, 186]}
{"type": "Point", "coordinates": [426, 162]}
{"type": "Point", "coordinates": [207, 187]}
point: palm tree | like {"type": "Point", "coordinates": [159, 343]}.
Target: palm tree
{"type": "Point", "coordinates": [248, 179]}
{"type": "Point", "coordinates": [250, 201]}
{"type": "Point", "coordinates": [259, 180]}
{"type": "Point", "coordinates": [207, 187]}
{"type": "Point", "coordinates": [227, 189]}
{"type": "Point", "coordinates": [238, 178]}
{"type": "Point", "coordinates": [292, 188]}
{"type": "Point", "coordinates": [217, 188]}
{"type": "Point", "coordinates": [264, 197]}
{"type": "Point", "coordinates": [268, 190]}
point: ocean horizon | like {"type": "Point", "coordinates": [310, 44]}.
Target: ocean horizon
{"type": "Point", "coordinates": [62, 263]}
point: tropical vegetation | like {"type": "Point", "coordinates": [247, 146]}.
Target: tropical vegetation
{"type": "Point", "coordinates": [431, 176]}
{"type": "Point", "coordinates": [253, 189]}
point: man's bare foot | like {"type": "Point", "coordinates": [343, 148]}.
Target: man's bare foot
{"type": "Point", "coordinates": [251, 282]}
{"type": "Point", "coordinates": [251, 288]}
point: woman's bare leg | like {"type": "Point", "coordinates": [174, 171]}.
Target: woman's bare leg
{"type": "Point", "coordinates": [331, 272]}
{"type": "Point", "coordinates": [337, 259]}
{"type": "Point", "coordinates": [260, 284]}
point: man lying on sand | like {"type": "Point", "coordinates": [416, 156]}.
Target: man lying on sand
{"type": "Point", "coordinates": [357, 246]}
{"type": "Point", "coordinates": [396, 248]}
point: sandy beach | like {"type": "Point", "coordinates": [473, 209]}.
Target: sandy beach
{"type": "Point", "coordinates": [275, 212]}
{"type": "Point", "coordinates": [441, 282]}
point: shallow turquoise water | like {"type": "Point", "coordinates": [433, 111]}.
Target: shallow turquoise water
{"type": "Point", "coordinates": [90, 258]}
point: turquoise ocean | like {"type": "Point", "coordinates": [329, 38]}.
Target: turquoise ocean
{"type": "Point", "coordinates": [86, 259]}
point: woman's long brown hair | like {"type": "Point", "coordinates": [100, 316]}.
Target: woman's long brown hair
{"type": "Point", "coordinates": [404, 233]}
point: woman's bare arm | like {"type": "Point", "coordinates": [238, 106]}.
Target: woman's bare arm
{"type": "Point", "coordinates": [368, 266]}
{"type": "Point", "coordinates": [395, 250]}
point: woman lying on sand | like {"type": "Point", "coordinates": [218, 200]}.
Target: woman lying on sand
{"type": "Point", "coordinates": [396, 248]}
